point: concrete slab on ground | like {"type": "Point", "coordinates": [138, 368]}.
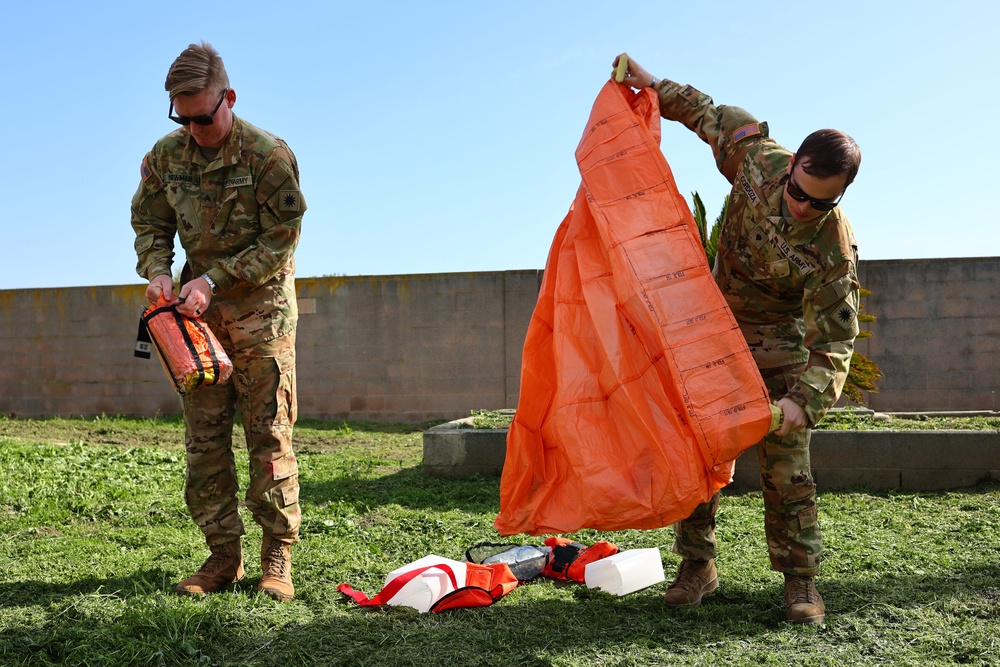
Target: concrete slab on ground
{"type": "Point", "coordinates": [879, 460]}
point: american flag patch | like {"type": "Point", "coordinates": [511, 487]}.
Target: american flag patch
{"type": "Point", "coordinates": [750, 130]}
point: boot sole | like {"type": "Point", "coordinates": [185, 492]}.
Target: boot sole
{"type": "Point", "coordinates": [809, 620]}
{"type": "Point", "coordinates": [709, 587]}
{"type": "Point", "coordinates": [182, 591]}
{"type": "Point", "coordinates": [277, 595]}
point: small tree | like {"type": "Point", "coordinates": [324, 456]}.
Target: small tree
{"type": "Point", "coordinates": [864, 373]}
{"type": "Point", "coordinates": [709, 237]}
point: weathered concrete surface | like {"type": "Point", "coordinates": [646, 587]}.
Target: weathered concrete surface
{"type": "Point", "coordinates": [456, 449]}
{"type": "Point", "coordinates": [879, 460]}
{"type": "Point", "coordinates": [905, 460]}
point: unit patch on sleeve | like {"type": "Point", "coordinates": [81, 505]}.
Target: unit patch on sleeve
{"type": "Point", "coordinates": [144, 169]}
{"type": "Point", "coordinates": [288, 200]}
{"type": "Point", "coordinates": [845, 314]}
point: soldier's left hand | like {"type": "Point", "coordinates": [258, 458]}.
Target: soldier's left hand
{"type": "Point", "coordinates": [795, 417]}
{"type": "Point", "coordinates": [197, 295]}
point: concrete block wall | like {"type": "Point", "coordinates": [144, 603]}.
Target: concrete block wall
{"type": "Point", "coordinates": [68, 352]}
{"type": "Point", "coordinates": [435, 346]}
{"type": "Point", "coordinates": [383, 348]}
{"type": "Point", "coordinates": [412, 348]}
{"type": "Point", "coordinates": [937, 337]}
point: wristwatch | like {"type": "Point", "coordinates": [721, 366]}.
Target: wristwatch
{"type": "Point", "coordinates": [211, 283]}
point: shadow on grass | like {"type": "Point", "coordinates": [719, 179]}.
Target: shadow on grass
{"type": "Point", "coordinates": [530, 633]}
{"type": "Point", "coordinates": [870, 593]}
{"type": "Point", "coordinates": [507, 633]}
{"type": "Point", "coordinates": [409, 488]}
{"type": "Point", "coordinates": [519, 629]}
{"type": "Point", "coordinates": [31, 593]}
{"type": "Point", "coordinates": [345, 635]}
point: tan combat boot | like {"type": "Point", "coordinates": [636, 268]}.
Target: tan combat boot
{"type": "Point", "coordinates": [223, 567]}
{"type": "Point", "coordinates": [276, 569]}
{"type": "Point", "coordinates": [695, 578]}
{"type": "Point", "coordinates": [803, 603]}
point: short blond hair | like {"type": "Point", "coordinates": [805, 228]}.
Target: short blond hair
{"type": "Point", "coordinates": [199, 67]}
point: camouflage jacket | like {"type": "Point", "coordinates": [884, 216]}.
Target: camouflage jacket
{"type": "Point", "coordinates": [792, 285]}
{"type": "Point", "coordinates": [238, 218]}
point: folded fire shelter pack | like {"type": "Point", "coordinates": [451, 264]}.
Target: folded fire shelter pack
{"type": "Point", "coordinates": [190, 353]}
{"type": "Point", "coordinates": [638, 390]}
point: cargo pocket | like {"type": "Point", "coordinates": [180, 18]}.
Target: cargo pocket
{"type": "Point", "coordinates": [290, 495]}
{"type": "Point", "coordinates": [807, 518]}
{"type": "Point", "coordinates": [288, 408]}
{"type": "Point", "coordinates": [287, 515]}
{"type": "Point", "coordinates": [284, 467]}
{"type": "Point", "coordinates": [800, 505]}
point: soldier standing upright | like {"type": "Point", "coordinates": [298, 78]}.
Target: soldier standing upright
{"type": "Point", "coordinates": [787, 265]}
{"type": "Point", "coordinates": [229, 191]}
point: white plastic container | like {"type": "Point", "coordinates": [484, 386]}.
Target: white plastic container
{"type": "Point", "coordinates": [626, 571]}
{"type": "Point", "coordinates": [428, 587]}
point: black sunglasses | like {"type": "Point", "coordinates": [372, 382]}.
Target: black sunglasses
{"type": "Point", "coordinates": [198, 120]}
{"type": "Point", "coordinates": [796, 193]}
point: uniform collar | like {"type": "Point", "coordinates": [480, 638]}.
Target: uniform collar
{"type": "Point", "coordinates": [229, 153]}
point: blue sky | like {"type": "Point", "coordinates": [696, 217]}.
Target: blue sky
{"type": "Point", "coordinates": [439, 137]}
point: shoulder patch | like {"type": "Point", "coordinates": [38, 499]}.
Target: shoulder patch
{"type": "Point", "coordinates": [144, 169]}
{"type": "Point", "coordinates": [845, 315]}
{"type": "Point", "coordinates": [749, 130]}
{"type": "Point", "coordinates": [288, 200]}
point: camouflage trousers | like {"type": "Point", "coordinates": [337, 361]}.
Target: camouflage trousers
{"type": "Point", "coordinates": [794, 543]}
{"type": "Point", "coordinates": [263, 388]}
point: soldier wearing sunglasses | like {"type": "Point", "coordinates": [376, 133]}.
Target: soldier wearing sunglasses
{"type": "Point", "coordinates": [787, 265]}
{"type": "Point", "coordinates": [229, 192]}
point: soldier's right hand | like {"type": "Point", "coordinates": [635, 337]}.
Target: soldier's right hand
{"type": "Point", "coordinates": [795, 417]}
{"type": "Point", "coordinates": [163, 285]}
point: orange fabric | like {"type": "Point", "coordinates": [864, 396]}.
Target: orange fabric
{"type": "Point", "coordinates": [484, 585]}
{"type": "Point", "coordinates": [638, 390]}
{"type": "Point", "coordinates": [189, 351]}
{"type": "Point", "coordinates": [570, 559]}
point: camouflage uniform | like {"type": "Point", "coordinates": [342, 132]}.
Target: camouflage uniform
{"type": "Point", "coordinates": [238, 217]}
{"type": "Point", "coordinates": [794, 290]}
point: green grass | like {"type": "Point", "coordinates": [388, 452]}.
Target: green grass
{"type": "Point", "coordinates": [96, 536]}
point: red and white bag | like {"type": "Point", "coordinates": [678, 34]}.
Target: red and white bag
{"type": "Point", "coordinates": [438, 584]}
